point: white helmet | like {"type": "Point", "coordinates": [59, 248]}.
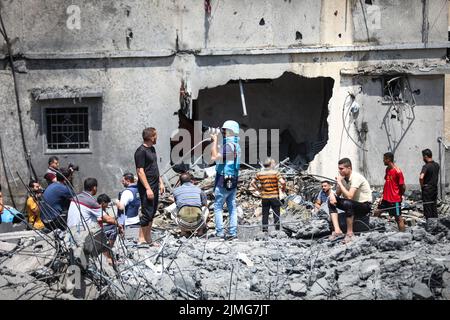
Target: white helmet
{"type": "Point", "coordinates": [231, 125]}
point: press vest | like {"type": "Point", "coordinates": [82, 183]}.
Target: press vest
{"type": "Point", "coordinates": [132, 208]}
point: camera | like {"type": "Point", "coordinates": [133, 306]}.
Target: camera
{"type": "Point", "coordinates": [73, 167]}
{"type": "Point", "coordinates": [210, 130]}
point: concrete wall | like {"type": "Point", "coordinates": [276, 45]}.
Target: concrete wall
{"type": "Point", "coordinates": [143, 90]}
{"type": "Point", "coordinates": [159, 27]}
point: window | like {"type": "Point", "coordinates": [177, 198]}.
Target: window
{"type": "Point", "coordinates": [393, 89]}
{"type": "Point", "coordinates": [67, 128]}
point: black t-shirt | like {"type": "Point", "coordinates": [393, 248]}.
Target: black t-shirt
{"type": "Point", "coordinates": [431, 171]}
{"type": "Point", "coordinates": [145, 157]}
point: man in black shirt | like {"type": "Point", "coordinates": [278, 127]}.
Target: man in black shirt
{"type": "Point", "coordinates": [429, 177]}
{"type": "Point", "coordinates": [150, 183]}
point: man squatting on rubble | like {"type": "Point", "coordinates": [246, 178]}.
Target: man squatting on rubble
{"type": "Point", "coordinates": [110, 230]}
{"type": "Point", "coordinates": [1, 204]}
{"type": "Point", "coordinates": [323, 196]}
{"type": "Point", "coordinates": [190, 199]}
{"type": "Point", "coordinates": [270, 181]}
{"type": "Point", "coordinates": [150, 183]}
{"type": "Point", "coordinates": [86, 213]}
{"type": "Point", "coordinates": [56, 202]}
{"type": "Point", "coordinates": [129, 202]}
{"type": "Point", "coordinates": [429, 177]}
{"type": "Point", "coordinates": [227, 172]}
{"type": "Point", "coordinates": [394, 188]}
{"type": "Point", "coordinates": [353, 196]}
{"type": "Point", "coordinates": [32, 206]}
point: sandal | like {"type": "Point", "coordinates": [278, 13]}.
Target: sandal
{"type": "Point", "coordinates": [348, 238]}
{"type": "Point", "coordinates": [154, 244]}
{"type": "Point", "coordinates": [143, 245]}
{"type": "Point", "coordinates": [335, 236]}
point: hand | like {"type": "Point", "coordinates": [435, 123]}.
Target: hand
{"type": "Point", "coordinates": [339, 179]}
{"type": "Point", "coordinates": [120, 227]}
{"type": "Point", "coordinates": [162, 189]}
{"type": "Point", "coordinates": [150, 195]}
{"type": "Point", "coordinates": [214, 137]}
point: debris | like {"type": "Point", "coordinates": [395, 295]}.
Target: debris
{"type": "Point", "coordinates": [243, 257]}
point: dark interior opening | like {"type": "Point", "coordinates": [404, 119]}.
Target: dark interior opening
{"type": "Point", "coordinates": [295, 105]}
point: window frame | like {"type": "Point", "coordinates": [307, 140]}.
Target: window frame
{"type": "Point", "coordinates": [63, 105]}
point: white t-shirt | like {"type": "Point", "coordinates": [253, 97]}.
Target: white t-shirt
{"type": "Point", "coordinates": [363, 192]}
{"type": "Point", "coordinates": [125, 199]}
{"type": "Point", "coordinates": [88, 209]}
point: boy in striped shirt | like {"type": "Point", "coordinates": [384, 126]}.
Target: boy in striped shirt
{"type": "Point", "coordinates": [269, 181]}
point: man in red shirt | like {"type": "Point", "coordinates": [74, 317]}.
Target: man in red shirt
{"type": "Point", "coordinates": [394, 188]}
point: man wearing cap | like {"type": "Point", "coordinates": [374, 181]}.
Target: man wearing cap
{"type": "Point", "coordinates": [227, 159]}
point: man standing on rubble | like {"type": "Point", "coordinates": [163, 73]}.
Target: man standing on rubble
{"type": "Point", "coordinates": [227, 172]}
{"type": "Point", "coordinates": [353, 196]}
{"type": "Point", "coordinates": [429, 177]}
{"type": "Point", "coordinates": [150, 183]}
{"type": "Point", "coordinates": [129, 201]}
{"type": "Point", "coordinates": [394, 188]}
{"type": "Point", "coordinates": [270, 182]}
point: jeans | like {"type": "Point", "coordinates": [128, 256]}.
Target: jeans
{"type": "Point", "coordinates": [222, 195]}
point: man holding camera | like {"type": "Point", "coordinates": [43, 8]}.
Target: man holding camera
{"type": "Point", "coordinates": [53, 168]}
{"type": "Point", "coordinates": [227, 172]}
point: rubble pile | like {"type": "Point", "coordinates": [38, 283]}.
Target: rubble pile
{"type": "Point", "coordinates": [298, 262]}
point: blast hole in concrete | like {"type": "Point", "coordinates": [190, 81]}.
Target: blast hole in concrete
{"type": "Point", "coordinates": [297, 106]}
{"type": "Point", "coordinates": [340, 35]}
{"type": "Point", "coordinates": [262, 22]}
{"type": "Point", "coordinates": [298, 35]}
{"type": "Point", "coordinates": [336, 13]}
{"type": "Point", "coordinates": [369, 2]}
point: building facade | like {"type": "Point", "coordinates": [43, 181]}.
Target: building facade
{"type": "Point", "coordinates": [338, 78]}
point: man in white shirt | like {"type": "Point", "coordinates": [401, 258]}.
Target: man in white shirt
{"type": "Point", "coordinates": [84, 211]}
{"type": "Point", "coordinates": [353, 196]}
{"type": "Point", "coordinates": [129, 202]}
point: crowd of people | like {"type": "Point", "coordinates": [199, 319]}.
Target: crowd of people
{"type": "Point", "coordinates": [58, 207]}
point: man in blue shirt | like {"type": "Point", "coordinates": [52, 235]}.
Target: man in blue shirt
{"type": "Point", "coordinates": [227, 172]}
{"type": "Point", "coordinates": [56, 201]}
{"type": "Point", "coordinates": [323, 196]}
{"type": "Point", "coordinates": [189, 200]}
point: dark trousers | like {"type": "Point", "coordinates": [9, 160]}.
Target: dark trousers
{"type": "Point", "coordinates": [266, 205]}
{"type": "Point", "coordinates": [57, 223]}
{"type": "Point", "coordinates": [351, 207]}
{"type": "Point", "coordinates": [148, 207]}
{"type": "Point", "coordinates": [429, 198]}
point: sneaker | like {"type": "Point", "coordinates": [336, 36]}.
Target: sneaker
{"type": "Point", "coordinates": [215, 235]}
{"type": "Point", "coordinates": [230, 237]}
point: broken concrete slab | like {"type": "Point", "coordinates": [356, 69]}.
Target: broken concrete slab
{"type": "Point", "coordinates": [421, 291]}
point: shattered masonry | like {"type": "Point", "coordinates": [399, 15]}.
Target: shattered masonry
{"type": "Point", "coordinates": [123, 64]}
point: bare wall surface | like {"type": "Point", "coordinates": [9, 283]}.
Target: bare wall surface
{"type": "Point", "coordinates": [158, 27]}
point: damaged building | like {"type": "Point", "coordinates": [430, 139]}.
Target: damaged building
{"type": "Point", "coordinates": [80, 79]}
{"type": "Point", "coordinates": [337, 78]}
